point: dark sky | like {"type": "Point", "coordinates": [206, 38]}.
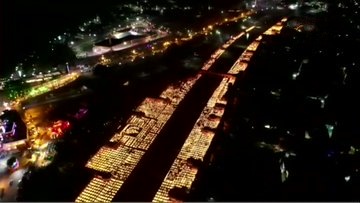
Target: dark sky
{"type": "Point", "coordinates": [27, 25]}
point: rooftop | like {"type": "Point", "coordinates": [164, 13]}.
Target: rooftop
{"type": "Point", "coordinates": [106, 42]}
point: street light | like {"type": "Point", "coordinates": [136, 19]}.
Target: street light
{"type": "Point", "coordinates": [67, 67]}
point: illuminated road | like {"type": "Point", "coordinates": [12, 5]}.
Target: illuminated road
{"type": "Point", "coordinates": [57, 98]}
{"type": "Point", "coordinates": [182, 173]}
{"type": "Point", "coordinates": [156, 128]}
{"type": "Point", "coordinates": [46, 87]}
{"type": "Point", "coordinates": [154, 164]}
{"type": "Point", "coordinates": [131, 142]}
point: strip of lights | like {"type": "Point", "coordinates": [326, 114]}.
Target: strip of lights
{"type": "Point", "coordinates": [50, 85]}
{"type": "Point", "coordinates": [242, 63]}
{"type": "Point", "coordinates": [220, 51]}
{"type": "Point", "coordinates": [136, 137]}
{"type": "Point", "coordinates": [131, 143]}
{"type": "Point", "coordinates": [140, 131]}
{"type": "Point", "coordinates": [182, 173]}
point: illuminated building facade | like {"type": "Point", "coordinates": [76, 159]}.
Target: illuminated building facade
{"type": "Point", "coordinates": [13, 131]}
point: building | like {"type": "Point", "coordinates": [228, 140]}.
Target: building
{"type": "Point", "coordinates": [13, 131]}
{"type": "Point", "coordinates": [124, 41]}
{"type": "Point", "coordinates": [139, 33]}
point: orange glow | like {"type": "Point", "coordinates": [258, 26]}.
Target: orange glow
{"type": "Point", "coordinates": [133, 141]}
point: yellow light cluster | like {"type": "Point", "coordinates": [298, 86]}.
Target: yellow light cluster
{"type": "Point", "coordinates": [246, 56]}
{"type": "Point", "coordinates": [201, 136]}
{"type": "Point", "coordinates": [219, 93]}
{"type": "Point", "coordinates": [242, 63]}
{"type": "Point", "coordinates": [100, 190]}
{"type": "Point", "coordinates": [197, 143]}
{"type": "Point", "coordinates": [238, 66]}
{"type": "Point", "coordinates": [133, 141]}
{"type": "Point", "coordinates": [61, 81]}
{"type": "Point", "coordinates": [181, 174]}
{"type": "Point", "coordinates": [232, 40]}
{"type": "Point", "coordinates": [51, 85]}
{"type": "Point", "coordinates": [220, 51]}
{"type": "Point", "coordinates": [250, 28]}
{"type": "Point", "coordinates": [253, 46]}
{"type": "Point", "coordinates": [276, 29]}
{"type": "Point", "coordinates": [141, 131]}
{"type": "Point", "coordinates": [175, 94]}
{"type": "Point", "coordinates": [179, 171]}
{"type": "Point", "coordinates": [218, 111]}
{"type": "Point", "coordinates": [209, 28]}
{"type": "Point", "coordinates": [153, 107]}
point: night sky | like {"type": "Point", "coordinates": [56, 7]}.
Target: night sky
{"type": "Point", "coordinates": [28, 25]}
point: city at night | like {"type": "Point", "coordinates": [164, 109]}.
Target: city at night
{"type": "Point", "coordinates": [180, 101]}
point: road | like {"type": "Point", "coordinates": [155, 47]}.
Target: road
{"type": "Point", "coordinates": [55, 99]}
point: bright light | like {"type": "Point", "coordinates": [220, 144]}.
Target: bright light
{"type": "Point", "coordinates": [347, 178]}
{"type": "Point", "coordinates": [138, 144]}
{"type": "Point", "coordinates": [2, 128]}
{"type": "Point", "coordinates": [293, 6]}
{"type": "Point", "coordinates": [295, 75]}
{"type": "Point", "coordinates": [166, 43]}
{"type": "Point", "coordinates": [18, 174]}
